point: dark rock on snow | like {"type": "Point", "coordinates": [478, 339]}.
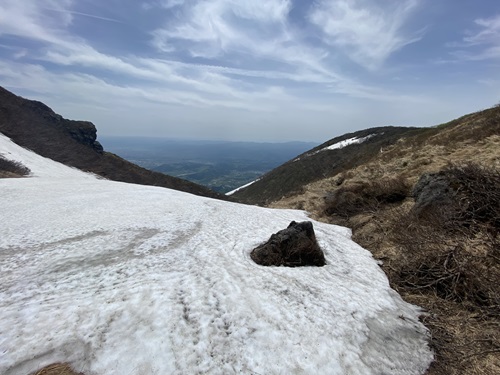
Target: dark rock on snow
{"type": "Point", "coordinates": [291, 247]}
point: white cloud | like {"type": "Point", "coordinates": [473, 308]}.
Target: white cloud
{"type": "Point", "coordinates": [266, 11]}
{"type": "Point", "coordinates": [490, 33]}
{"type": "Point", "coordinates": [486, 41]}
{"type": "Point", "coordinates": [214, 28]}
{"type": "Point", "coordinates": [166, 4]}
{"type": "Point", "coordinates": [214, 25]}
{"type": "Point", "coordinates": [258, 65]}
{"type": "Point", "coordinates": [367, 31]}
{"type": "Point", "coordinates": [259, 32]}
{"type": "Point", "coordinates": [211, 27]}
{"type": "Point", "coordinates": [34, 19]}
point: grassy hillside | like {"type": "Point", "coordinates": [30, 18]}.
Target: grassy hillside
{"type": "Point", "coordinates": [442, 254]}
{"type": "Point", "coordinates": [318, 163]}
{"type": "Point", "coordinates": [35, 126]}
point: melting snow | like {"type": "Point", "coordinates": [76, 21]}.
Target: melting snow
{"type": "Point", "coordinates": [347, 142]}
{"type": "Point", "coordinates": [241, 187]}
{"type": "Point", "coordinates": [117, 278]}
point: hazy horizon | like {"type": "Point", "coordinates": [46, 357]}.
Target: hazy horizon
{"type": "Point", "coordinates": [199, 140]}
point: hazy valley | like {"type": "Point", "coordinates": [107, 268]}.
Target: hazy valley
{"type": "Point", "coordinates": [220, 165]}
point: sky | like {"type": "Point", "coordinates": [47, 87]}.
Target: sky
{"type": "Point", "coordinates": [261, 70]}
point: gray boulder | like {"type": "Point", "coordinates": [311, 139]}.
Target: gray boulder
{"type": "Point", "coordinates": [432, 192]}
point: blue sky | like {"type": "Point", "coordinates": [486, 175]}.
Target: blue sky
{"type": "Point", "coordinates": [263, 70]}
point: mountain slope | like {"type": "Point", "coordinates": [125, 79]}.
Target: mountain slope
{"type": "Point", "coordinates": [443, 255]}
{"type": "Point", "coordinates": [119, 278]}
{"type": "Point", "coordinates": [321, 162]}
{"type": "Point", "coordinates": [376, 146]}
{"type": "Point", "coordinates": [33, 125]}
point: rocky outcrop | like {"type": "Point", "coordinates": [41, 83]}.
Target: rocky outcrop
{"type": "Point", "coordinates": [294, 246]}
{"type": "Point", "coordinates": [83, 132]}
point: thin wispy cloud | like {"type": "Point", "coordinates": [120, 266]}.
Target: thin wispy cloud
{"type": "Point", "coordinates": [84, 15]}
{"type": "Point", "coordinates": [368, 31]}
{"type": "Point", "coordinates": [212, 28]}
{"type": "Point", "coordinates": [268, 65]}
{"type": "Point", "coordinates": [483, 43]}
{"type": "Point", "coordinates": [224, 30]}
{"type": "Point", "coordinates": [29, 19]}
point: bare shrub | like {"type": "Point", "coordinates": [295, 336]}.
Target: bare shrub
{"type": "Point", "coordinates": [460, 198]}
{"type": "Point", "coordinates": [13, 167]}
{"type": "Point", "coordinates": [477, 197]}
{"type": "Point", "coordinates": [449, 263]}
{"type": "Point", "coordinates": [452, 248]}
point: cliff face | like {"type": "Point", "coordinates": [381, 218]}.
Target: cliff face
{"type": "Point", "coordinates": [37, 127]}
{"type": "Point", "coordinates": [83, 132]}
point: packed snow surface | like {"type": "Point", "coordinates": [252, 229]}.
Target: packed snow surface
{"type": "Point", "coordinates": [117, 278]}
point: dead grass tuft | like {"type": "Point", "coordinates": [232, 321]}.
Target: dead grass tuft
{"type": "Point", "coordinates": [9, 168]}
{"type": "Point", "coordinates": [57, 369]}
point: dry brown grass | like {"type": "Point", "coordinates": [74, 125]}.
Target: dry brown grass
{"type": "Point", "coordinates": [450, 268]}
{"type": "Point", "coordinates": [365, 196]}
{"type": "Point", "coordinates": [9, 168]}
{"type": "Point", "coordinates": [448, 264]}
{"type": "Point", "coordinates": [57, 369]}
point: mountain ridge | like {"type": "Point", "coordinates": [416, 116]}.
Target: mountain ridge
{"type": "Point", "coordinates": [319, 163]}
{"type": "Point", "coordinates": [35, 126]}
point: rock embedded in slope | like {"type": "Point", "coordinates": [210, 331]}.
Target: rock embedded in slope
{"type": "Point", "coordinates": [294, 246]}
{"type": "Point", "coordinates": [430, 191]}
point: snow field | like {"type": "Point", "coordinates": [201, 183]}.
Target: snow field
{"type": "Point", "coordinates": [118, 278]}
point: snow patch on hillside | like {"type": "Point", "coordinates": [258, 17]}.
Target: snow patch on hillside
{"type": "Point", "coordinates": [339, 145]}
{"type": "Point", "coordinates": [347, 142]}
{"type": "Point", "coordinates": [38, 164]}
{"type": "Point", "coordinates": [241, 187]}
{"type": "Point", "coordinates": [117, 278]}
